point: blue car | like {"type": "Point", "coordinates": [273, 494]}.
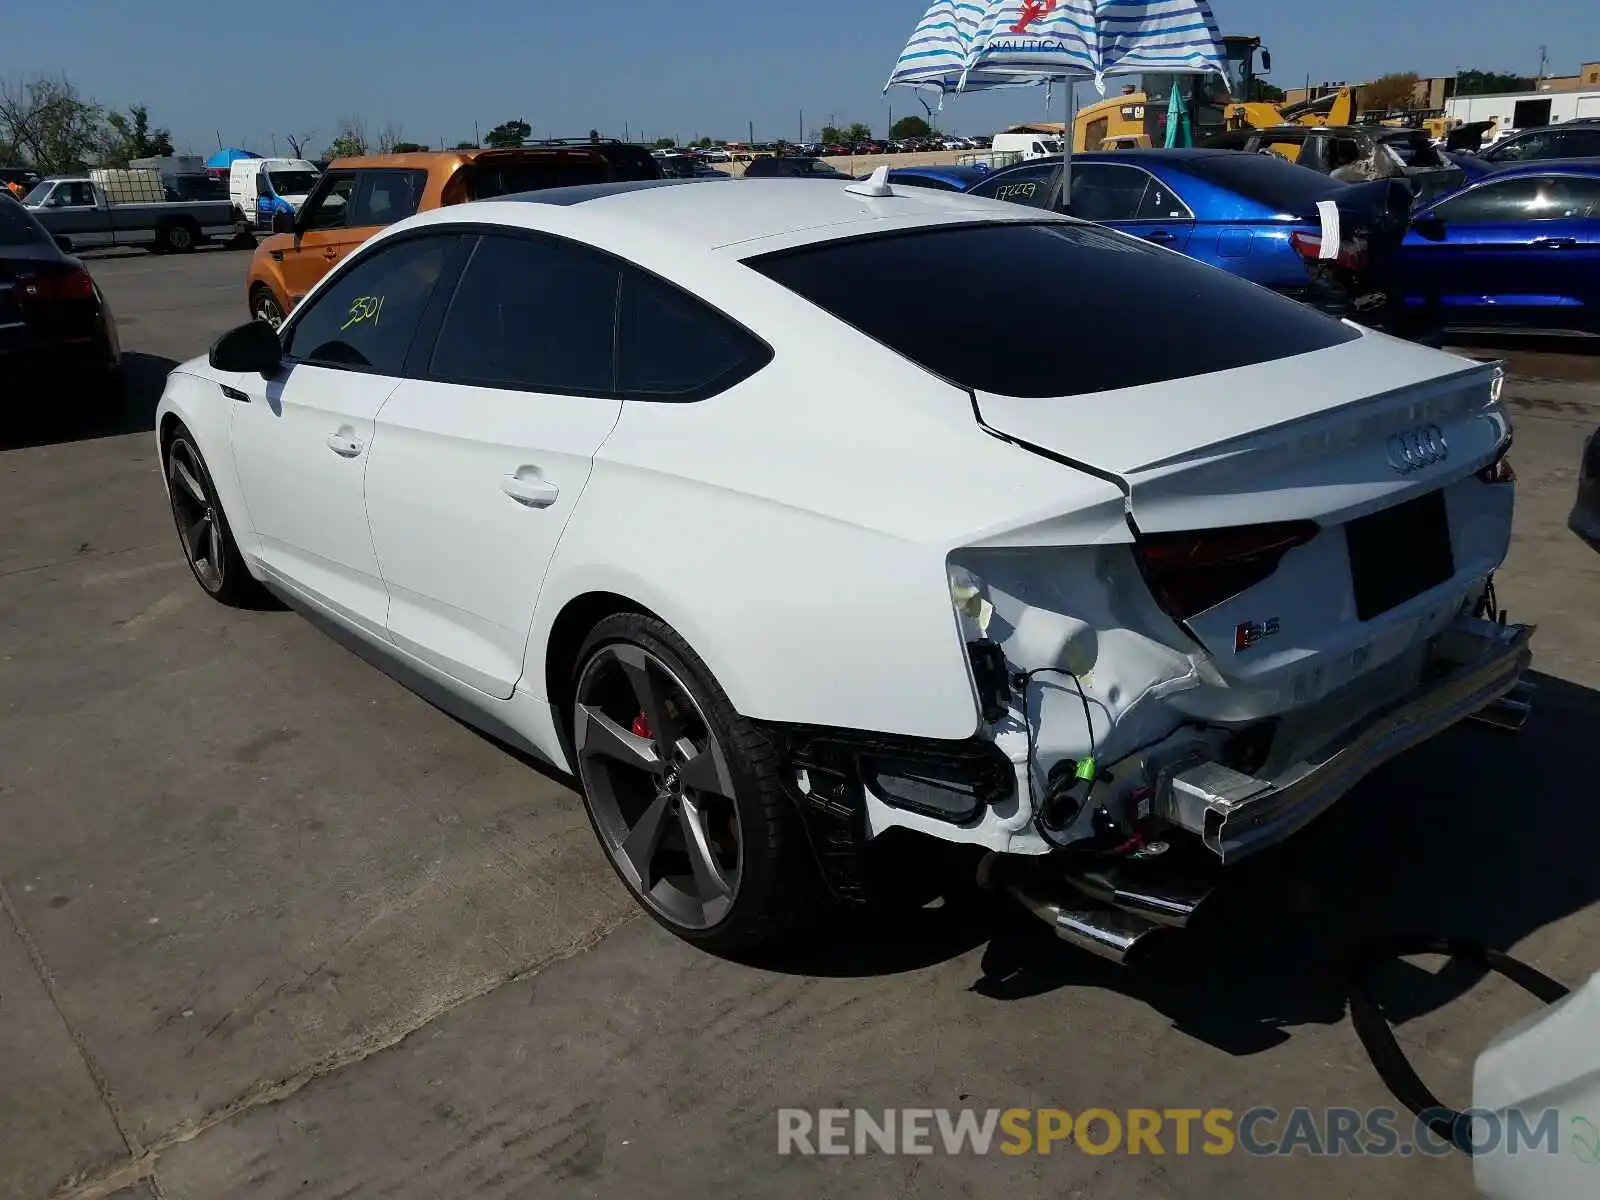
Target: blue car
{"type": "Point", "coordinates": [1518, 248]}
{"type": "Point", "coordinates": [1253, 215]}
{"type": "Point", "coordinates": [942, 179]}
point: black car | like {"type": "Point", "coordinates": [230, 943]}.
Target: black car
{"type": "Point", "coordinates": [54, 323]}
{"type": "Point", "coordinates": [1585, 518]}
{"type": "Point", "coordinates": [794, 167]}
{"type": "Point", "coordinates": [1355, 154]}
{"type": "Point", "coordinates": [1574, 139]}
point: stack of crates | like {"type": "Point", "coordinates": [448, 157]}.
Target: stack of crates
{"type": "Point", "coordinates": [130, 186]}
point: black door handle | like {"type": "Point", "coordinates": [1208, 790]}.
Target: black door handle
{"type": "Point", "coordinates": [1158, 235]}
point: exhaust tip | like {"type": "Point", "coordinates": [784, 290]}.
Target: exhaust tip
{"type": "Point", "coordinates": [1106, 932]}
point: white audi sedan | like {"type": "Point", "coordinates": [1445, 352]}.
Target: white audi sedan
{"type": "Point", "coordinates": [788, 516]}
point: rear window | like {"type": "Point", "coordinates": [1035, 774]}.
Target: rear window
{"type": "Point", "coordinates": [1048, 310]}
{"type": "Point", "coordinates": [17, 226]}
{"type": "Point", "coordinates": [1267, 180]}
{"type": "Point", "coordinates": [485, 180]}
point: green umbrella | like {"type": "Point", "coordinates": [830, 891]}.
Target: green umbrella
{"type": "Point", "coordinates": [1178, 119]}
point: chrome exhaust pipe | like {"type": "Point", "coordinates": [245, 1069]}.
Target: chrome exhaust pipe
{"type": "Point", "coordinates": [1109, 933]}
{"type": "Point", "coordinates": [1169, 901]}
{"type": "Point", "coordinates": [1509, 712]}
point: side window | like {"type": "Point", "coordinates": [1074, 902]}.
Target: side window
{"type": "Point", "coordinates": [329, 207]}
{"type": "Point", "coordinates": [670, 346]}
{"type": "Point", "coordinates": [366, 315]}
{"type": "Point", "coordinates": [74, 195]}
{"type": "Point", "coordinates": [1531, 198]}
{"type": "Point", "coordinates": [1028, 185]}
{"type": "Point", "coordinates": [1575, 143]}
{"type": "Point", "coordinates": [1530, 146]}
{"type": "Point", "coordinates": [1102, 192]}
{"type": "Point", "coordinates": [384, 197]}
{"type": "Point", "coordinates": [536, 314]}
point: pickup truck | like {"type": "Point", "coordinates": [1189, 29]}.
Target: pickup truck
{"type": "Point", "coordinates": [79, 210]}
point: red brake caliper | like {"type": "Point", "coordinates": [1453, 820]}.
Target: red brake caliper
{"type": "Point", "coordinates": [641, 726]}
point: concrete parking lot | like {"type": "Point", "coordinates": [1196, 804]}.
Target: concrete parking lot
{"type": "Point", "coordinates": [274, 926]}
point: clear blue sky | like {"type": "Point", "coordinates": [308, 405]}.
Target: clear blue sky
{"type": "Point", "coordinates": [250, 71]}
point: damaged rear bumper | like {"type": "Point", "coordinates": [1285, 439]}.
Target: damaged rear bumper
{"type": "Point", "coordinates": [1235, 815]}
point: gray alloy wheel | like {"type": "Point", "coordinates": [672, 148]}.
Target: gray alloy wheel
{"type": "Point", "coordinates": [264, 307]}
{"type": "Point", "coordinates": [203, 530]}
{"type": "Point", "coordinates": [657, 778]}
{"type": "Point", "coordinates": [194, 510]}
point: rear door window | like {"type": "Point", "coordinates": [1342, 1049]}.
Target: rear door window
{"type": "Point", "coordinates": [365, 317]}
{"type": "Point", "coordinates": [1103, 192]}
{"type": "Point", "coordinates": [533, 314]}
{"type": "Point", "coordinates": [1044, 309]}
{"type": "Point", "coordinates": [1529, 198]}
{"type": "Point", "coordinates": [384, 197]}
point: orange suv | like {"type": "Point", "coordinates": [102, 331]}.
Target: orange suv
{"type": "Point", "coordinates": [356, 197]}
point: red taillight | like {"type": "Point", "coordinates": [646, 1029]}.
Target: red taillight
{"type": "Point", "coordinates": [73, 284]}
{"type": "Point", "coordinates": [1191, 572]}
{"type": "Point", "coordinates": [1352, 255]}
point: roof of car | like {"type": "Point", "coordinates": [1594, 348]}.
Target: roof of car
{"type": "Point", "coordinates": [757, 210]}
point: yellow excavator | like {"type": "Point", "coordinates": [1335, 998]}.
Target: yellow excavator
{"type": "Point", "coordinates": [1138, 117]}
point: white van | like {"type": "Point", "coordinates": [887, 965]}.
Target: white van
{"type": "Point", "coordinates": [260, 187]}
{"type": "Point", "coordinates": [1029, 145]}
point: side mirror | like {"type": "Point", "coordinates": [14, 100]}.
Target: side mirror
{"type": "Point", "coordinates": [63, 243]}
{"type": "Point", "coordinates": [249, 348]}
{"type": "Point", "coordinates": [1429, 226]}
{"type": "Point", "coordinates": [282, 222]}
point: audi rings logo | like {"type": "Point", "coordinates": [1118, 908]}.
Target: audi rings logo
{"type": "Point", "coordinates": [1416, 448]}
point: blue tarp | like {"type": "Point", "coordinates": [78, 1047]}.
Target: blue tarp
{"type": "Point", "coordinates": [223, 159]}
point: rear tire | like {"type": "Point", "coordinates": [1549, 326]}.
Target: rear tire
{"type": "Point", "coordinates": [177, 237]}
{"type": "Point", "coordinates": [203, 532]}
{"type": "Point", "coordinates": [684, 793]}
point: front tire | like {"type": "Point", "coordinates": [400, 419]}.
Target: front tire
{"type": "Point", "coordinates": [203, 531]}
{"type": "Point", "coordinates": [684, 793]}
{"type": "Point", "coordinates": [264, 306]}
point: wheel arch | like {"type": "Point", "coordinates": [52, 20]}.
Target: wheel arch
{"type": "Point", "coordinates": [568, 630]}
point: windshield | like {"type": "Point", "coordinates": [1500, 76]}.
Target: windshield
{"type": "Point", "coordinates": [982, 335]}
{"type": "Point", "coordinates": [292, 183]}
{"type": "Point", "coordinates": [17, 226]}
{"type": "Point", "coordinates": [39, 192]}
{"type": "Point", "coordinates": [1266, 179]}
{"type": "Point", "coordinates": [1051, 145]}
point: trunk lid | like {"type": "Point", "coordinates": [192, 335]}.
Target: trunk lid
{"type": "Point", "coordinates": [1363, 456]}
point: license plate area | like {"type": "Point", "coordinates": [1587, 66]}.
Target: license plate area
{"type": "Point", "coordinates": [1399, 553]}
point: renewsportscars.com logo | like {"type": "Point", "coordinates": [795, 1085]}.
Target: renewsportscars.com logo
{"type": "Point", "coordinates": [1259, 1132]}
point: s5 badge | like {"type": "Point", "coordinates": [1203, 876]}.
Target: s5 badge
{"type": "Point", "coordinates": [1249, 633]}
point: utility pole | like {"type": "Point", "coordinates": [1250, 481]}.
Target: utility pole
{"type": "Point", "coordinates": [1544, 61]}
{"type": "Point", "coordinates": [802, 136]}
{"type": "Point", "coordinates": [752, 140]}
{"type": "Point", "coordinates": [476, 140]}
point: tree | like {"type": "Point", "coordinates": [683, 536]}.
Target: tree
{"type": "Point", "coordinates": [858, 133]}
{"type": "Point", "coordinates": [389, 137]}
{"type": "Point", "coordinates": [298, 142]}
{"type": "Point", "coordinates": [1269, 92]}
{"type": "Point", "coordinates": [128, 136]}
{"type": "Point", "coordinates": [666, 143]}
{"type": "Point", "coordinates": [832, 135]}
{"type": "Point", "coordinates": [48, 125]}
{"type": "Point", "coordinates": [594, 135]}
{"type": "Point", "coordinates": [1488, 83]}
{"type": "Point", "coordinates": [910, 127]}
{"type": "Point", "coordinates": [704, 143]}
{"type": "Point", "coordinates": [352, 139]}
{"type": "Point", "coordinates": [408, 148]}
{"type": "Point", "coordinates": [1390, 92]}
{"type": "Point", "coordinates": [508, 135]}
{"type": "Point", "coordinates": [466, 145]}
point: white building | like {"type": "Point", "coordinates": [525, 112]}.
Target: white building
{"type": "Point", "coordinates": [1524, 110]}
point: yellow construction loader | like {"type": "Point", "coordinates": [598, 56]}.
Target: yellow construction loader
{"type": "Point", "coordinates": [1215, 105]}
